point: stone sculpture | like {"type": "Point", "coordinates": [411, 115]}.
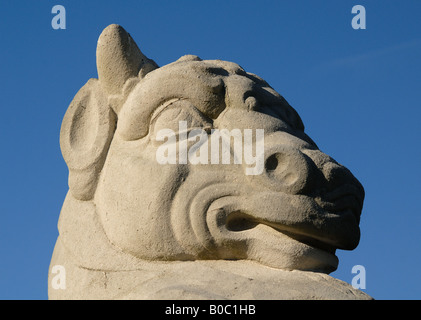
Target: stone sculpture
{"type": "Point", "coordinates": [132, 227]}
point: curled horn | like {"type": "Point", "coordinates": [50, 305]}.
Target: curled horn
{"type": "Point", "coordinates": [120, 64]}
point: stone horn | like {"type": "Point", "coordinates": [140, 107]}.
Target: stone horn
{"type": "Point", "coordinates": [120, 64]}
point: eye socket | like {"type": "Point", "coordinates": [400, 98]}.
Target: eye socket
{"type": "Point", "coordinates": [171, 115]}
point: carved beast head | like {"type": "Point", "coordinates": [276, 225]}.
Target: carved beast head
{"type": "Point", "coordinates": [294, 214]}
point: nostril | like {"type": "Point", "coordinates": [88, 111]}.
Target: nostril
{"type": "Point", "coordinates": [279, 168]}
{"type": "Point", "coordinates": [277, 163]}
{"type": "Point", "coordinates": [271, 163]}
{"type": "Point", "coordinates": [286, 170]}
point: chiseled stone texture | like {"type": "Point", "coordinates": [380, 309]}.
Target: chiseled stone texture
{"type": "Point", "coordinates": [133, 228]}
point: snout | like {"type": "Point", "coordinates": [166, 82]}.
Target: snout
{"type": "Point", "coordinates": [341, 191]}
{"type": "Point", "coordinates": [325, 198]}
{"type": "Point", "coordinates": [295, 167]}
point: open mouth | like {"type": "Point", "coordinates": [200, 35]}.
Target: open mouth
{"type": "Point", "coordinates": [332, 224]}
{"type": "Point", "coordinates": [239, 221]}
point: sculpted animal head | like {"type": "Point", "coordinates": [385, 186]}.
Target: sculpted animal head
{"type": "Point", "coordinates": [293, 213]}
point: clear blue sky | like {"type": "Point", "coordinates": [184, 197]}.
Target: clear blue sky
{"type": "Point", "coordinates": [357, 91]}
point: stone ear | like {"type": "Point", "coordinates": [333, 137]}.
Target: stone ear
{"type": "Point", "coordinates": [120, 64]}
{"type": "Point", "coordinates": [90, 121]}
{"type": "Point", "coordinates": [86, 133]}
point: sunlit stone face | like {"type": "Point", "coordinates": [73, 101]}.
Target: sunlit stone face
{"type": "Point", "coordinates": [293, 212]}
{"type": "Point", "coordinates": [196, 180]}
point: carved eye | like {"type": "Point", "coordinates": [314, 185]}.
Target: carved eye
{"type": "Point", "coordinates": [179, 116]}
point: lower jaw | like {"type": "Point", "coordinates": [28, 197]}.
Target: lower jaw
{"type": "Point", "coordinates": [275, 249]}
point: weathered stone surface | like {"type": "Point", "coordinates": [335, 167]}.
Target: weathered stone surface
{"type": "Point", "coordinates": [132, 227]}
